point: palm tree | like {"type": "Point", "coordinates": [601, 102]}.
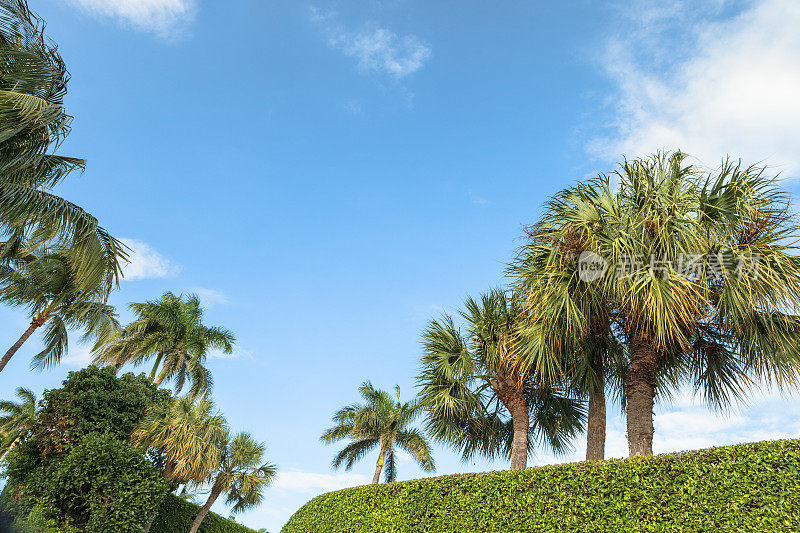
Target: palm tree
{"type": "Point", "coordinates": [479, 398]}
{"type": "Point", "coordinates": [48, 283]}
{"type": "Point", "coordinates": [16, 419]}
{"type": "Point", "coordinates": [171, 330]}
{"type": "Point", "coordinates": [183, 434]}
{"type": "Point", "coordinates": [33, 122]}
{"type": "Point", "coordinates": [703, 284]}
{"type": "Point", "coordinates": [241, 475]}
{"type": "Point", "coordinates": [384, 423]}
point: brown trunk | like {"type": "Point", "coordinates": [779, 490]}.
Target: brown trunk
{"type": "Point", "coordinates": [596, 424]}
{"type": "Point", "coordinates": [640, 388]}
{"type": "Point", "coordinates": [378, 467]}
{"type": "Point", "coordinates": [35, 323]}
{"type": "Point", "coordinates": [149, 523]}
{"type": "Point", "coordinates": [521, 422]}
{"type": "Point", "coordinates": [216, 490]}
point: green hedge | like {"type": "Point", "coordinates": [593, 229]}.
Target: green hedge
{"type": "Point", "coordinates": [176, 516]}
{"type": "Point", "coordinates": [748, 487]}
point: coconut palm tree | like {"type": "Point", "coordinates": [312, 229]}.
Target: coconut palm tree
{"type": "Point", "coordinates": [16, 419]}
{"type": "Point", "coordinates": [381, 422]}
{"type": "Point", "coordinates": [183, 434]}
{"type": "Point", "coordinates": [479, 398]}
{"type": "Point", "coordinates": [49, 285]}
{"type": "Point", "coordinates": [702, 285]}
{"type": "Point", "coordinates": [171, 331]}
{"type": "Point", "coordinates": [241, 474]}
{"type": "Point", "coordinates": [33, 81]}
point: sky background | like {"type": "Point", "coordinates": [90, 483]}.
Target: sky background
{"type": "Point", "coordinates": [328, 176]}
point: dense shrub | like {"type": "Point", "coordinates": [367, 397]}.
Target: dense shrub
{"type": "Point", "coordinates": [176, 516]}
{"type": "Point", "coordinates": [749, 487]}
{"type": "Point", "coordinates": [92, 400]}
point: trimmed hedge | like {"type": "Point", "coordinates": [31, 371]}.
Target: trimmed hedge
{"type": "Point", "coordinates": [748, 487]}
{"type": "Point", "coordinates": [176, 516]}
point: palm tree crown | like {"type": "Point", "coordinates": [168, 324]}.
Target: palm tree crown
{"type": "Point", "coordinates": [479, 398]}
{"type": "Point", "coordinates": [703, 283]}
{"type": "Point", "coordinates": [49, 285]}
{"type": "Point", "coordinates": [241, 474]}
{"type": "Point", "coordinates": [381, 422]}
{"type": "Point", "coordinates": [171, 330]}
{"type": "Point", "coordinates": [16, 419]}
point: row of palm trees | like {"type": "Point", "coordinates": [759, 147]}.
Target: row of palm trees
{"type": "Point", "coordinates": [699, 286]}
{"type": "Point", "coordinates": [60, 265]}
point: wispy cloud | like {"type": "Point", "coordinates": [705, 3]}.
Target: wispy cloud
{"type": "Point", "coordinates": [77, 356]}
{"type": "Point", "coordinates": [708, 83]}
{"type": "Point", "coordinates": [166, 18]}
{"type": "Point", "coordinates": [237, 353]}
{"type": "Point", "coordinates": [376, 49]}
{"type": "Point", "coordinates": [210, 297]}
{"type": "Point", "coordinates": [144, 262]}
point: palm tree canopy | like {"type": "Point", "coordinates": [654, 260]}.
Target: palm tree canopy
{"type": "Point", "coordinates": [383, 422]}
{"type": "Point", "coordinates": [242, 474]}
{"type": "Point", "coordinates": [47, 283]}
{"type": "Point", "coordinates": [32, 124]}
{"type": "Point", "coordinates": [171, 331]}
{"type": "Point", "coordinates": [704, 264]}
{"type": "Point", "coordinates": [469, 378]}
{"type": "Point", "coordinates": [16, 418]}
{"type": "Point", "coordinates": [185, 431]}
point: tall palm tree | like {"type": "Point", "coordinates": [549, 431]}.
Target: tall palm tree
{"type": "Point", "coordinates": [479, 398]}
{"type": "Point", "coordinates": [703, 284]}
{"type": "Point", "coordinates": [16, 419]}
{"type": "Point", "coordinates": [33, 82]}
{"type": "Point", "coordinates": [49, 285]}
{"type": "Point", "coordinates": [183, 434]}
{"type": "Point", "coordinates": [171, 331]}
{"type": "Point", "coordinates": [381, 422]}
{"type": "Point", "coordinates": [241, 474]}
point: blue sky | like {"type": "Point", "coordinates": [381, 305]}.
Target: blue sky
{"type": "Point", "coordinates": [330, 175]}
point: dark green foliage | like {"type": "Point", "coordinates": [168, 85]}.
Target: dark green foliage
{"type": "Point", "coordinates": [749, 487]}
{"type": "Point", "coordinates": [102, 485]}
{"type": "Point", "coordinates": [176, 515]}
{"type": "Point", "coordinates": [92, 400]}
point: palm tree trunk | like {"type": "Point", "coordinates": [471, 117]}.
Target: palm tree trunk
{"type": "Point", "coordinates": [149, 523]}
{"type": "Point", "coordinates": [216, 490]}
{"type": "Point", "coordinates": [10, 447]}
{"type": "Point", "coordinates": [378, 467]}
{"type": "Point", "coordinates": [640, 387]}
{"type": "Point", "coordinates": [596, 424]}
{"type": "Point", "coordinates": [37, 321]}
{"type": "Point", "coordinates": [520, 420]}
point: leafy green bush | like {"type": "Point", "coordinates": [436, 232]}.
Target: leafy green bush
{"type": "Point", "coordinates": [748, 487]}
{"type": "Point", "coordinates": [102, 485]}
{"type": "Point", "coordinates": [176, 516]}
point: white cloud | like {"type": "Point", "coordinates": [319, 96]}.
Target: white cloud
{"type": "Point", "coordinates": [165, 18]}
{"type": "Point", "coordinates": [311, 482]}
{"type": "Point", "coordinates": [77, 356]}
{"type": "Point", "coordinates": [144, 262]}
{"type": "Point", "coordinates": [375, 49]}
{"type": "Point", "coordinates": [236, 354]}
{"type": "Point", "coordinates": [210, 297]}
{"type": "Point", "coordinates": [723, 86]}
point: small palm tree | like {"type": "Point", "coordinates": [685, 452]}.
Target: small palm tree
{"type": "Point", "coordinates": [241, 475]}
{"type": "Point", "coordinates": [171, 331]}
{"type": "Point", "coordinates": [49, 284]}
{"type": "Point", "coordinates": [16, 419]}
{"type": "Point", "coordinates": [479, 398]}
{"type": "Point", "coordinates": [382, 422]}
{"type": "Point", "coordinates": [183, 434]}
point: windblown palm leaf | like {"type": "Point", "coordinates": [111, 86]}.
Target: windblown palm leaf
{"type": "Point", "coordinates": [16, 419]}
